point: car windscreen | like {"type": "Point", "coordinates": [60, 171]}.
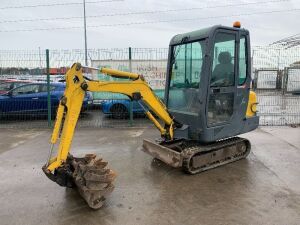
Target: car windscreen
{"type": "Point", "coordinates": [5, 86]}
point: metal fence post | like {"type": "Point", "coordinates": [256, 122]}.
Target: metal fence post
{"type": "Point", "coordinates": [279, 79]}
{"type": "Point", "coordinates": [278, 59]}
{"type": "Point", "coordinates": [131, 103]}
{"type": "Point", "coordinates": [286, 79]}
{"type": "Point", "coordinates": [48, 88]}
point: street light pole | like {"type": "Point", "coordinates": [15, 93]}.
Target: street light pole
{"type": "Point", "coordinates": [85, 40]}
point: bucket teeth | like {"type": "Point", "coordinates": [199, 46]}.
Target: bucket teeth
{"type": "Point", "coordinates": [96, 186]}
{"type": "Point", "coordinates": [100, 164]}
{"type": "Point", "coordinates": [93, 179]}
{"type": "Point", "coordinates": [98, 171]}
{"type": "Point", "coordinates": [107, 177]}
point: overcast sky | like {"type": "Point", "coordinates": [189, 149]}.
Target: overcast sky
{"type": "Point", "coordinates": [103, 31]}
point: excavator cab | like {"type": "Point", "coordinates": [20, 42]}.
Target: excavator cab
{"type": "Point", "coordinates": [208, 83]}
{"type": "Point", "coordinates": [208, 93]}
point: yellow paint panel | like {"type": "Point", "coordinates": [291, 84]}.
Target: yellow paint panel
{"type": "Point", "coordinates": [252, 104]}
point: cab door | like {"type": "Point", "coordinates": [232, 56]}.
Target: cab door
{"type": "Point", "coordinates": [222, 81]}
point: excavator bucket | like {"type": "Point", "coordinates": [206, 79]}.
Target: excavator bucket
{"type": "Point", "coordinates": [89, 175]}
{"type": "Point", "coordinates": [93, 179]}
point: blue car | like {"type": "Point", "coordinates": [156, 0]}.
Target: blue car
{"type": "Point", "coordinates": [119, 109]}
{"type": "Point", "coordinates": [31, 99]}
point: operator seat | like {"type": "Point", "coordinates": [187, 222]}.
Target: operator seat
{"type": "Point", "coordinates": [224, 70]}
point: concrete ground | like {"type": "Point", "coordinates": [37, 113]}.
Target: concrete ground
{"type": "Point", "coordinates": [262, 189]}
{"type": "Point", "coordinates": [92, 118]}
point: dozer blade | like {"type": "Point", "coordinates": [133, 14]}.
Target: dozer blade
{"type": "Point", "coordinates": [165, 154]}
{"type": "Point", "coordinates": [89, 175]}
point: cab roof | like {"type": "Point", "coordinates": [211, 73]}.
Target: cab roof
{"type": "Point", "coordinates": [199, 34]}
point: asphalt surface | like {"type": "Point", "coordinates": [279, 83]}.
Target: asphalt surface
{"type": "Point", "coordinates": [262, 189]}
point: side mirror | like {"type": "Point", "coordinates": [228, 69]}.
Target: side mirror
{"type": "Point", "coordinates": [9, 94]}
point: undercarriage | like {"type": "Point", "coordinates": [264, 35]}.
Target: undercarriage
{"type": "Point", "coordinates": [194, 157]}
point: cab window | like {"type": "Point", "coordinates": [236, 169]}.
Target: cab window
{"type": "Point", "coordinates": [243, 61]}
{"type": "Point", "coordinates": [223, 60]}
{"type": "Point", "coordinates": [186, 66]}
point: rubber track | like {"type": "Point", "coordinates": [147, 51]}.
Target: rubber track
{"type": "Point", "coordinates": [195, 151]}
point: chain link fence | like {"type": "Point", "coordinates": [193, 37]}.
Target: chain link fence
{"type": "Point", "coordinates": [276, 79]}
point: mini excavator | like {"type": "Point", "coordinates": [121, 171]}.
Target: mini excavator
{"type": "Point", "coordinates": [207, 103]}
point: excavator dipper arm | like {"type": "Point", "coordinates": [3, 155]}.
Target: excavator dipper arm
{"type": "Point", "coordinates": [89, 174]}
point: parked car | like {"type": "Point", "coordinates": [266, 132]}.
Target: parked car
{"type": "Point", "coordinates": [7, 85]}
{"type": "Point", "coordinates": [119, 109]}
{"type": "Point", "coordinates": [32, 99]}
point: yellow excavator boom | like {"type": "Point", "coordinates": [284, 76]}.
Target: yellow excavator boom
{"type": "Point", "coordinates": [70, 106]}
